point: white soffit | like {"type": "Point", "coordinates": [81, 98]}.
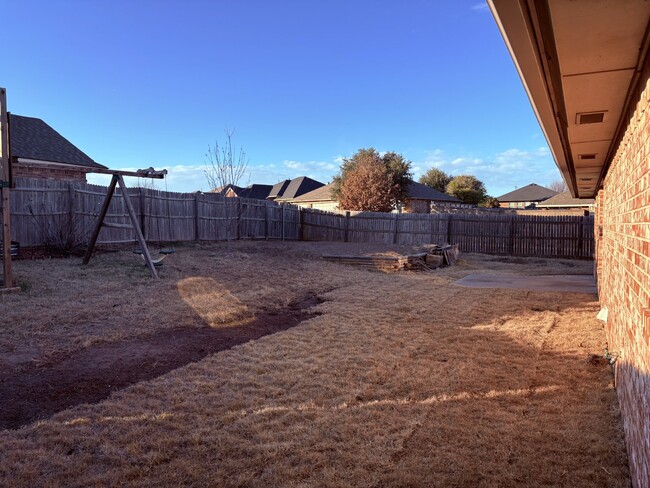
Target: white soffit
{"type": "Point", "coordinates": [599, 46]}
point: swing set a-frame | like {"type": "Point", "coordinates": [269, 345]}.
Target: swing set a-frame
{"type": "Point", "coordinates": [118, 178]}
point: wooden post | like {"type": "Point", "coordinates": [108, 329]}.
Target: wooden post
{"type": "Point", "coordinates": [239, 211]}
{"type": "Point", "coordinates": [580, 232]}
{"type": "Point", "coordinates": [396, 228]}
{"type": "Point", "coordinates": [196, 216]}
{"type": "Point", "coordinates": [432, 229]}
{"type": "Point", "coordinates": [346, 235]}
{"type": "Point", "coordinates": [100, 219]}
{"type": "Point", "coordinates": [282, 207]}
{"type": "Point", "coordinates": [136, 227]}
{"type": "Point", "coordinates": [301, 212]}
{"type": "Point", "coordinates": [511, 244]}
{"type": "Point", "coordinates": [266, 220]}
{"type": "Point", "coordinates": [449, 223]}
{"type": "Point", "coordinates": [143, 211]}
{"type": "Point", "coordinates": [5, 184]}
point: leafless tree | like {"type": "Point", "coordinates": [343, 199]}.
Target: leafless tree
{"type": "Point", "coordinates": [225, 166]}
{"type": "Point", "coordinates": [558, 186]}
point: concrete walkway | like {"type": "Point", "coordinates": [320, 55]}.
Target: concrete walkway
{"type": "Point", "coordinates": [564, 283]}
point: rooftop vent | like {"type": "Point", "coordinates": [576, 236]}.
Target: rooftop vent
{"type": "Point", "coordinates": [586, 156]}
{"type": "Point", "coordinates": [590, 118]}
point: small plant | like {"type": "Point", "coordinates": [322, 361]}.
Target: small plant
{"type": "Point", "coordinates": [63, 234]}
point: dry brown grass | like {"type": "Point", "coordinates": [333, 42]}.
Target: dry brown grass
{"type": "Point", "coordinates": [404, 380]}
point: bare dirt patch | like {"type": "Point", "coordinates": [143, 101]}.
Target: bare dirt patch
{"type": "Point", "coordinates": [90, 375]}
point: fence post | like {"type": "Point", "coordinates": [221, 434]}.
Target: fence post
{"type": "Point", "coordinates": [282, 207]}
{"type": "Point", "coordinates": [396, 228]}
{"type": "Point", "coordinates": [511, 243]}
{"type": "Point", "coordinates": [196, 216]}
{"type": "Point", "coordinates": [346, 234]}
{"type": "Point", "coordinates": [143, 216]}
{"type": "Point", "coordinates": [301, 212]}
{"type": "Point", "coordinates": [71, 205]}
{"type": "Point", "coordinates": [450, 219]}
{"type": "Point", "coordinates": [239, 211]}
{"type": "Point", "coordinates": [579, 252]}
{"type": "Point", "coordinates": [266, 220]}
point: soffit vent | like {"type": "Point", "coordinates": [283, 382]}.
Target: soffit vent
{"type": "Point", "coordinates": [590, 118]}
{"type": "Point", "coordinates": [587, 156]}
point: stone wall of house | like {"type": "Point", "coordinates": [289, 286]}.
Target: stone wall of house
{"type": "Point", "coordinates": [34, 171]}
{"type": "Point", "coordinates": [417, 206]}
{"type": "Point", "coordinates": [623, 268]}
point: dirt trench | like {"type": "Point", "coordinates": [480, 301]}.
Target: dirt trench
{"type": "Point", "coordinates": [92, 374]}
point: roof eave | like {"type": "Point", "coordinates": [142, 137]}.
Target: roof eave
{"type": "Point", "coordinates": [521, 36]}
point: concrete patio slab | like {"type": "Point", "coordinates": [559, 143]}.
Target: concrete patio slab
{"type": "Point", "coordinates": [564, 283]}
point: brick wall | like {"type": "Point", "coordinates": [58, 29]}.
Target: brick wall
{"type": "Point", "coordinates": [34, 171]}
{"type": "Point", "coordinates": [623, 268]}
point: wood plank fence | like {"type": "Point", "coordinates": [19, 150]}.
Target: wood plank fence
{"type": "Point", "coordinates": [47, 211]}
{"type": "Point", "coordinates": [518, 235]}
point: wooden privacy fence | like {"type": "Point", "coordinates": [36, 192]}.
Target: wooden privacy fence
{"type": "Point", "coordinates": [525, 235]}
{"type": "Point", "coordinates": [53, 212]}
{"type": "Point", "coordinates": [60, 213]}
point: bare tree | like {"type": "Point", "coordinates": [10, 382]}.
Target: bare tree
{"type": "Point", "coordinates": [225, 166]}
{"type": "Point", "coordinates": [558, 186]}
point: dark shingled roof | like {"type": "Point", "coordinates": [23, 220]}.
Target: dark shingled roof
{"type": "Point", "coordinates": [565, 199]}
{"type": "Point", "coordinates": [278, 189]}
{"type": "Point", "coordinates": [322, 194]}
{"type": "Point", "coordinates": [295, 188]}
{"type": "Point", "coordinates": [31, 138]}
{"type": "Point", "coordinates": [528, 193]}
{"type": "Point", "coordinates": [257, 191]}
{"type": "Point", "coordinates": [418, 191]}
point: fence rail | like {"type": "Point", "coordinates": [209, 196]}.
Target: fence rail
{"type": "Point", "coordinates": [518, 235]}
{"type": "Point", "coordinates": [46, 210]}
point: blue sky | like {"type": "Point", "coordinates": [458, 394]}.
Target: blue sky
{"type": "Point", "coordinates": [302, 84]}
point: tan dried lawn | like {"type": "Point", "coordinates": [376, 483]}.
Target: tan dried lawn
{"type": "Point", "coordinates": [404, 380]}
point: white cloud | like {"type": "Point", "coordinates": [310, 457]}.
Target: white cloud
{"type": "Point", "coordinates": [479, 7]}
{"type": "Point", "coordinates": [501, 172]}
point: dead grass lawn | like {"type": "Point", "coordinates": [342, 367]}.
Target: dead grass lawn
{"type": "Point", "coordinates": [404, 380]}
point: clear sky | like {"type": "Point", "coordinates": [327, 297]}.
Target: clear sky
{"type": "Point", "coordinates": [302, 83]}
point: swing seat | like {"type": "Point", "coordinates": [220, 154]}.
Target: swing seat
{"type": "Point", "coordinates": [167, 251]}
{"type": "Point", "coordinates": [156, 262]}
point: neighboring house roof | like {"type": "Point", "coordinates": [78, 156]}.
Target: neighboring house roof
{"type": "Point", "coordinates": [414, 191]}
{"type": "Point", "coordinates": [257, 191]}
{"type": "Point", "coordinates": [31, 138]}
{"type": "Point", "coordinates": [528, 193]}
{"type": "Point", "coordinates": [322, 194]}
{"type": "Point", "coordinates": [296, 187]}
{"type": "Point", "coordinates": [565, 199]}
{"type": "Point", "coordinates": [418, 191]}
{"type": "Point", "coordinates": [278, 189]}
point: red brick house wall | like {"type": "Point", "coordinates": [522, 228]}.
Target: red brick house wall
{"type": "Point", "coordinates": [34, 171]}
{"type": "Point", "coordinates": [623, 268]}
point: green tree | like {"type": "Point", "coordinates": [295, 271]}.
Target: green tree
{"type": "Point", "coordinates": [368, 186]}
{"type": "Point", "coordinates": [489, 202]}
{"type": "Point", "coordinates": [397, 167]}
{"type": "Point", "coordinates": [467, 188]}
{"type": "Point", "coordinates": [436, 179]}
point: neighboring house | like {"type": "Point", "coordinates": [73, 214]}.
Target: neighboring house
{"type": "Point", "coordinates": [287, 190]}
{"type": "Point", "coordinates": [38, 151]}
{"type": "Point", "coordinates": [255, 191]}
{"type": "Point", "coordinates": [586, 69]}
{"type": "Point", "coordinates": [420, 198]}
{"type": "Point", "coordinates": [526, 197]}
{"type": "Point", "coordinates": [320, 198]}
{"type": "Point", "coordinates": [564, 201]}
